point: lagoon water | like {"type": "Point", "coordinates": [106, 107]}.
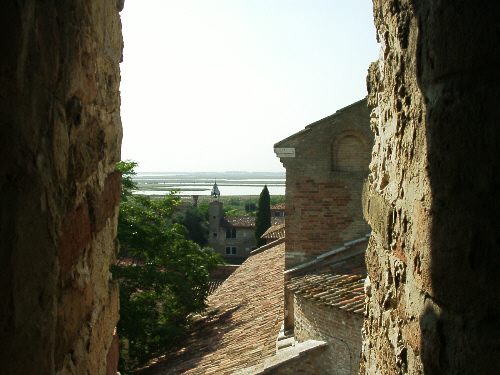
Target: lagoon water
{"type": "Point", "coordinates": [200, 183]}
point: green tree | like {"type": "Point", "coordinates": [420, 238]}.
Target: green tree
{"type": "Point", "coordinates": [126, 167]}
{"type": "Point", "coordinates": [163, 276]}
{"type": "Point", "coordinates": [263, 217]}
{"type": "Point", "coordinates": [196, 224]}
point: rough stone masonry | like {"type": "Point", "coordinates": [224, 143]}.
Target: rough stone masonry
{"type": "Point", "coordinates": [60, 137]}
{"type": "Point", "coordinates": [434, 255]}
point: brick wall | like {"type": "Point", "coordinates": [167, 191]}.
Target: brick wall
{"type": "Point", "coordinates": [340, 329]}
{"type": "Point", "coordinates": [324, 183]}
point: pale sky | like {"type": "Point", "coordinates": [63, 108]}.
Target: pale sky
{"type": "Point", "coordinates": [211, 85]}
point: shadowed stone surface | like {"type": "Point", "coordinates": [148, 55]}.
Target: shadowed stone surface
{"type": "Point", "coordinates": [433, 259]}
{"type": "Point", "coordinates": [60, 136]}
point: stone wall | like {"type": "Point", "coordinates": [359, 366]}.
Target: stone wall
{"type": "Point", "coordinates": [60, 137]}
{"type": "Point", "coordinates": [340, 329]}
{"type": "Point", "coordinates": [306, 357]}
{"type": "Point", "coordinates": [217, 226]}
{"type": "Point", "coordinates": [433, 258]}
{"type": "Point", "coordinates": [324, 181]}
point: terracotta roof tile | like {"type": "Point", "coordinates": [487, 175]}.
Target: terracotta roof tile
{"type": "Point", "coordinates": [247, 221]}
{"type": "Point", "coordinates": [274, 232]}
{"type": "Point", "coordinates": [277, 220]}
{"type": "Point", "coordinates": [240, 326]}
{"type": "Point", "coordinates": [239, 221]}
{"type": "Point", "coordinates": [279, 206]}
{"type": "Point", "coordinates": [345, 292]}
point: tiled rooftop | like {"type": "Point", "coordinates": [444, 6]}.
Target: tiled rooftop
{"type": "Point", "coordinates": [346, 259]}
{"type": "Point", "coordinates": [341, 291]}
{"type": "Point", "coordinates": [277, 220]}
{"type": "Point", "coordinates": [213, 285]}
{"type": "Point", "coordinates": [241, 324]}
{"type": "Point", "coordinates": [275, 232]}
{"type": "Point", "coordinates": [279, 206]}
{"type": "Point", "coordinates": [248, 221]}
{"type": "Point", "coordinates": [240, 221]}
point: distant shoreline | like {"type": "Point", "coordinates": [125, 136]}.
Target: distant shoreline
{"type": "Point", "coordinates": [201, 183]}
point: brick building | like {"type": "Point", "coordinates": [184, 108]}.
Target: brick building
{"type": "Point", "coordinates": [324, 300]}
{"type": "Point", "coordinates": [326, 164]}
{"type": "Point", "coordinates": [326, 235]}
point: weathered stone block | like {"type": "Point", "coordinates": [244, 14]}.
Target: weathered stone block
{"type": "Point", "coordinates": [75, 237]}
{"type": "Point", "coordinates": [104, 203]}
{"type": "Point", "coordinates": [429, 188]}
{"type": "Point", "coordinates": [60, 137]}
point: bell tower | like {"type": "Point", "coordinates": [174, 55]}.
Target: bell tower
{"type": "Point", "coordinates": [215, 216]}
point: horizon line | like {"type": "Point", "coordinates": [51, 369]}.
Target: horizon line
{"type": "Point", "coordinates": [141, 171]}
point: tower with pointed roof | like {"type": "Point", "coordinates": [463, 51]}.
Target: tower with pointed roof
{"type": "Point", "coordinates": [215, 193]}
{"type": "Point", "coordinates": [215, 217]}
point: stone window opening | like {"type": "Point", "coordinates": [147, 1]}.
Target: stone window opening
{"type": "Point", "coordinates": [231, 250]}
{"type": "Point", "coordinates": [231, 232]}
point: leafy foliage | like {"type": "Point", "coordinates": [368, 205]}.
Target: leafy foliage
{"type": "Point", "coordinates": [275, 199]}
{"type": "Point", "coordinates": [196, 224]}
{"type": "Point", "coordinates": [126, 167]}
{"type": "Point", "coordinates": [163, 275]}
{"type": "Point", "coordinates": [263, 217]}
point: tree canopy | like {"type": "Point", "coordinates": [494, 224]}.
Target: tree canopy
{"type": "Point", "coordinates": [195, 222]}
{"type": "Point", "coordinates": [263, 217]}
{"type": "Point", "coordinates": [163, 275]}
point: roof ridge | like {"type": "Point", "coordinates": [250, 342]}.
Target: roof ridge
{"type": "Point", "coordinates": [308, 127]}
{"type": "Point", "coordinates": [267, 246]}
{"type": "Point", "coordinates": [320, 258]}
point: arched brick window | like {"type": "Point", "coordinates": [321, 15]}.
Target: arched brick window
{"type": "Point", "coordinates": [350, 153]}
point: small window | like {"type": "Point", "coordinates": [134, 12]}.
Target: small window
{"type": "Point", "coordinates": [213, 217]}
{"type": "Point", "coordinates": [215, 234]}
{"type": "Point", "coordinates": [230, 250]}
{"type": "Point", "coordinates": [231, 233]}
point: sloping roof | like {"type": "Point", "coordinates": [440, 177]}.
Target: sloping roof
{"type": "Point", "coordinates": [334, 278]}
{"type": "Point", "coordinates": [279, 206]}
{"type": "Point", "coordinates": [308, 127]}
{"type": "Point", "coordinates": [345, 292]}
{"type": "Point", "coordinates": [277, 220]}
{"type": "Point", "coordinates": [241, 324]}
{"type": "Point", "coordinates": [213, 285]}
{"type": "Point", "coordinates": [247, 221]}
{"type": "Point", "coordinates": [274, 232]}
{"type": "Point", "coordinates": [240, 221]}
{"type": "Point", "coordinates": [348, 258]}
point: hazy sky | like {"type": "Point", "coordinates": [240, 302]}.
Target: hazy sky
{"type": "Point", "coordinates": [211, 85]}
